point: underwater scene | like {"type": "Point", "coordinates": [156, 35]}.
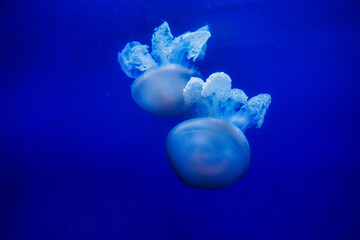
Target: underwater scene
{"type": "Point", "coordinates": [233, 119]}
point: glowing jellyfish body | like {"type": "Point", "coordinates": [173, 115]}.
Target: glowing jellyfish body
{"type": "Point", "coordinates": [160, 90]}
{"type": "Point", "coordinates": [212, 152]}
{"type": "Point", "coordinates": [208, 153]}
{"type": "Point", "coordinates": [162, 75]}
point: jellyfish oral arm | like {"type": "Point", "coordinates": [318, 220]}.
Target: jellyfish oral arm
{"type": "Point", "coordinates": [252, 113]}
{"type": "Point", "coordinates": [135, 58]}
{"type": "Point", "coordinates": [167, 49]}
{"type": "Point", "coordinates": [215, 98]}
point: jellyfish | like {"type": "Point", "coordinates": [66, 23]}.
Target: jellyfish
{"type": "Point", "coordinates": [160, 76]}
{"type": "Point", "coordinates": [210, 151]}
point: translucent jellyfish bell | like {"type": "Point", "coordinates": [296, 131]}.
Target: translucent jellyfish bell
{"type": "Point", "coordinates": [211, 150]}
{"type": "Point", "coordinates": [160, 90]}
{"type": "Point", "coordinates": [162, 75]}
{"type": "Point", "coordinates": [208, 153]}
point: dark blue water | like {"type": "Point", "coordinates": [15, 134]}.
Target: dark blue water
{"type": "Point", "coordinates": [80, 160]}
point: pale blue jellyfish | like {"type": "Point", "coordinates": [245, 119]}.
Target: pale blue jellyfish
{"type": "Point", "coordinates": [211, 150]}
{"type": "Point", "coordinates": [162, 74]}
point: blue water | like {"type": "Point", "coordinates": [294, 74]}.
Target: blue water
{"type": "Point", "coordinates": [80, 160]}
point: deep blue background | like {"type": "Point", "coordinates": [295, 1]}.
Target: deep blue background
{"type": "Point", "coordinates": [80, 160]}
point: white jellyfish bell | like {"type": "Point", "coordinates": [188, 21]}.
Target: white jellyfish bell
{"type": "Point", "coordinates": [208, 153]}
{"type": "Point", "coordinates": [162, 75]}
{"type": "Point", "coordinates": [211, 150]}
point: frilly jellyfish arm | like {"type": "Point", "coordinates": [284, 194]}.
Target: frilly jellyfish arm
{"type": "Point", "coordinates": [216, 99]}
{"type": "Point", "coordinates": [135, 59]}
{"type": "Point", "coordinates": [252, 114]}
{"type": "Point", "coordinates": [233, 103]}
{"type": "Point", "coordinates": [238, 96]}
{"type": "Point", "coordinates": [217, 89]}
{"type": "Point", "coordinates": [195, 104]}
{"type": "Point", "coordinates": [217, 86]}
{"type": "Point", "coordinates": [194, 43]}
{"type": "Point", "coordinates": [160, 41]}
{"type": "Point", "coordinates": [192, 91]}
{"type": "Point", "coordinates": [167, 49]}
